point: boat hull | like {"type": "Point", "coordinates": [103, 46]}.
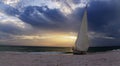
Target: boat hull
{"type": "Point", "coordinates": [77, 52]}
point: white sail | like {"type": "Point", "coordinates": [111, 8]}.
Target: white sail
{"type": "Point", "coordinates": [82, 41]}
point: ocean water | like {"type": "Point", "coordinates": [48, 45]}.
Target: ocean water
{"type": "Point", "coordinates": [52, 50]}
{"type": "Point", "coordinates": [37, 49]}
{"type": "Point", "coordinates": [103, 49]}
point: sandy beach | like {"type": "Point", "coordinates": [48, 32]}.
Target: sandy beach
{"type": "Point", "coordinates": [111, 58]}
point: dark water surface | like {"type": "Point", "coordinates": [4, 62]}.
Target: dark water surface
{"type": "Point", "coordinates": [34, 49]}
{"type": "Point", "coordinates": [53, 49]}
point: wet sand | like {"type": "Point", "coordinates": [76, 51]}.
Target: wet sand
{"type": "Point", "coordinates": [111, 58]}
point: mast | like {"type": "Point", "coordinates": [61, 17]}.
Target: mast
{"type": "Point", "coordinates": [82, 41]}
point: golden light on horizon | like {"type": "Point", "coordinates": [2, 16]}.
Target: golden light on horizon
{"type": "Point", "coordinates": [52, 39]}
{"type": "Point", "coordinates": [61, 40]}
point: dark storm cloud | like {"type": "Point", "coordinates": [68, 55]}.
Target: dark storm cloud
{"type": "Point", "coordinates": [46, 19]}
{"type": "Point", "coordinates": [15, 29]}
{"type": "Point", "coordinates": [76, 1]}
{"type": "Point", "coordinates": [100, 14]}
{"type": "Point", "coordinates": [9, 29]}
{"type": "Point", "coordinates": [8, 9]}
{"type": "Point", "coordinates": [103, 17]}
{"type": "Point", "coordinates": [105, 42]}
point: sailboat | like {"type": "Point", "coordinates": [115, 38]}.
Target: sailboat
{"type": "Point", "coordinates": [82, 41]}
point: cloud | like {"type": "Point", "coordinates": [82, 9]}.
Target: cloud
{"type": "Point", "coordinates": [100, 18]}
{"type": "Point", "coordinates": [11, 24]}
{"type": "Point", "coordinates": [28, 18]}
{"type": "Point", "coordinates": [10, 2]}
{"type": "Point", "coordinates": [49, 19]}
{"type": "Point", "coordinates": [8, 9]}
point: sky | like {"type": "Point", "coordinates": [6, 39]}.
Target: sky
{"type": "Point", "coordinates": [57, 22]}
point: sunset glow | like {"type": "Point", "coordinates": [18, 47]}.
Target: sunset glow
{"type": "Point", "coordinates": [50, 39]}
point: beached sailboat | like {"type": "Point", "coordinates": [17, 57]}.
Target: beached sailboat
{"type": "Point", "coordinates": [82, 41]}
